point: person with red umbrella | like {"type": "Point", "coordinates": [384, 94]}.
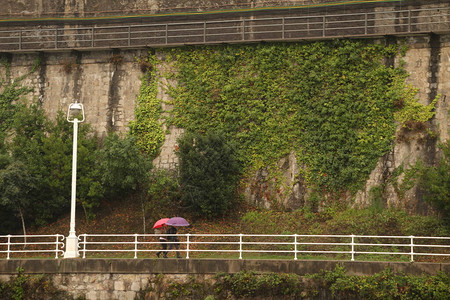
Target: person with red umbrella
{"type": "Point", "coordinates": [160, 229]}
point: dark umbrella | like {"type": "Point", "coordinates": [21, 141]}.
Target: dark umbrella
{"type": "Point", "coordinates": [161, 223]}
{"type": "Point", "coordinates": [177, 221]}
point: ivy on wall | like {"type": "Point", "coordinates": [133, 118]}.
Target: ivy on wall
{"type": "Point", "coordinates": [334, 104]}
{"type": "Point", "coordinates": [147, 126]}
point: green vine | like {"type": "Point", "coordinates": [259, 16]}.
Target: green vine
{"type": "Point", "coordinates": [410, 109]}
{"type": "Point", "coordinates": [335, 104]}
{"type": "Point", "coordinates": [146, 125]}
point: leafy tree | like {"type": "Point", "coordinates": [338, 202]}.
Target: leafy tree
{"type": "Point", "coordinates": [209, 172]}
{"type": "Point", "coordinates": [435, 181]}
{"type": "Point", "coordinates": [16, 185]}
{"type": "Point", "coordinates": [124, 169]}
{"type": "Point", "coordinates": [58, 148]}
{"type": "Point", "coordinates": [163, 194]}
{"type": "Point", "coordinates": [46, 149]}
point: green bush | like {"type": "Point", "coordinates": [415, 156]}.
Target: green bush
{"type": "Point", "coordinates": [385, 285]}
{"type": "Point", "coordinates": [435, 181]}
{"type": "Point", "coordinates": [123, 167]}
{"type": "Point", "coordinates": [249, 284]}
{"type": "Point", "coordinates": [209, 173]}
{"type": "Point", "coordinates": [163, 194]}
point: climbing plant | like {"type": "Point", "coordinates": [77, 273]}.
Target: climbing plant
{"type": "Point", "coordinates": [146, 126]}
{"type": "Point", "coordinates": [335, 104]}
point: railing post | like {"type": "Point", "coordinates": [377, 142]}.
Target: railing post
{"type": "Point", "coordinates": [92, 37]}
{"type": "Point", "coordinates": [187, 246]}
{"type": "Point", "coordinates": [129, 35]}
{"type": "Point", "coordinates": [409, 20]}
{"type": "Point", "coordinates": [20, 40]}
{"type": "Point", "coordinates": [135, 245]}
{"type": "Point", "coordinates": [295, 246]}
{"type": "Point", "coordinates": [204, 31]}
{"type": "Point", "coordinates": [167, 33]}
{"type": "Point", "coordinates": [353, 247]}
{"type": "Point", "coordinates": [9, 240]}
{"type": "Point", "coordinates": [57, 237]}
{"type": "Point", "coordinates": [365, 23]}
{"type": "Point", "coordinates": [56, 38]}
{"type": "Point", "coordinates": [282, 29]}
{"type": "Point", "coordinates": [240, 245]}
{"type": "Point", "coordinates": [412, 247]}
{"type": "Point", "coordinates": [243, 29]}
{"type": "Point", "coordinates": [323, 26]}
{"type": "Point", "coordinates": [84, 245]}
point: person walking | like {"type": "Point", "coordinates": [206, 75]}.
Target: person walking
{"type": "Point", "coordinates": [175, 242]}
{"type": "Point", "coordinates": [163, 240]}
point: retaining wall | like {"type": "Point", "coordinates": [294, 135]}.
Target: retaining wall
{"type": "Point", "coordinates": [125, 278]}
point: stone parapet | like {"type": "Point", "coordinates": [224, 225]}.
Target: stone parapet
{"type": "Point", "coordinates": [98, 279]}
{"type": "Point", "coordinates": [210, 266]}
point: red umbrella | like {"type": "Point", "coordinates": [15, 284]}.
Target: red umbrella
{"type": "Point", "coordinates": [161, 223]}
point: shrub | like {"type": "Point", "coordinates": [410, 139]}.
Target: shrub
{"type": "Point", "coordinates": [435, 181]}
{"type": "Point", "coordinates": [385, 285]}
{"type": "Point", "coordinates": [209, 173]}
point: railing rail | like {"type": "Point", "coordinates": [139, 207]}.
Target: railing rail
{"type": "Point", "coordinates": [286, 246]}
{"type": "Point", "coordinates": [347, 246]}
{"type": "Point", "coordinates": [250, 29]}
{"type": "Point", "coordinates": [17, 246]}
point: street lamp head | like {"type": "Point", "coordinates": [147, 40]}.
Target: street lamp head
{"type": "Point", "coordinates": [74, 112]}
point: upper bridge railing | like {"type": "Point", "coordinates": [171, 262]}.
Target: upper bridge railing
{"type": "Point", "coordinates": [242, 30]}
{"type": "Point", "coordinates": [281, 246]}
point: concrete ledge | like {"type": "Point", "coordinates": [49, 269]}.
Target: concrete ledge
{"type": "Point", "coordinates": [209, 266]}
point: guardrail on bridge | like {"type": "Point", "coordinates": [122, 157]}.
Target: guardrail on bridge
{"type": "Point", "coordinates": [242, 30]}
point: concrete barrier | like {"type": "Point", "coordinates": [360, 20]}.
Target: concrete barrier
{"type": "Point", "coordinates": [209, 266]}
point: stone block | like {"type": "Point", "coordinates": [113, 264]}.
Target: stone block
{"type": "Point", "coordinates": [129, 295]}
{"type": "Point", "coordinates": [119, 285]}
{"type": "Point", "coordinates": [104, 295]}
{"type": "Point", "coordinates": [135, 286]}
{"type": "Point", "coordinates": [92, 295]}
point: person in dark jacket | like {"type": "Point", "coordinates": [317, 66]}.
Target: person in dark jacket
{"type": "Point", "coordinates": [163, 240]}
{"type": "Point", "coordinates": [175, 242]}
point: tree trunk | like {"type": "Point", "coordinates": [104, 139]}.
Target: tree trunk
{"type": "Point", "coordinates": [143, 214]}
{"type": "Point", "coordinates": [23, 227]}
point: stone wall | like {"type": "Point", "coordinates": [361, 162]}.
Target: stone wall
{"type": "Point", "coordinates": [86, 8]}
{"type": "Point", "coordinates": [428, 62]}
{"type": "Point", "coordinates": [107, 83]}
{"type": "Point", "coordinates": [123, 279]}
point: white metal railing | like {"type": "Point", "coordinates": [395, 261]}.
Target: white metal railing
{"type": "Point", "coordinates": [245, 29]}
{"type": "Point", "coordinates": [283, 246]}
{"type": "Point", "coordinates": [268, 246]}
{"type": "Point", "coordinates": [26, 245]}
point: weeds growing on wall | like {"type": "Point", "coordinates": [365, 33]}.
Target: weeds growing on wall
{"type": "Point", "coordinates": [25, 286]}
{"type": "Point", "coordinates": [335, 104]}
{"type": "Point", "coordinates": [334, 284]}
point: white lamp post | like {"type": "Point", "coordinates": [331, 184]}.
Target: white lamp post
{"type": "Point", "coordinates": [73, 113]}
